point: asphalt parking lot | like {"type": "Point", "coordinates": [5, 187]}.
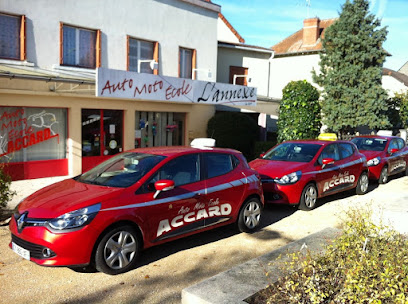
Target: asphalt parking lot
{"type": "Point", "coordinates": [165, 270]}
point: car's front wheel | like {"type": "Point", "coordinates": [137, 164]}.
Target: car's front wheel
{"type": "Point", "coordinates": [362, 184]}
{"type": "Point", "coordinates": [118, 250]}
{"type": "Point", "coordinates": [309, 197]}
{"type": "Point", "coordinates": [249, 216]}
{"type": "Point", "coordinates": [383, 176]}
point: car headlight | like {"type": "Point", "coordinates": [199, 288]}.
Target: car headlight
{"type": "Point", "coordinates": [75, 219]}
{"type": "Point", "coordinates": [374, 161]}
{"type": "Point", "coordinates": [289, 178]}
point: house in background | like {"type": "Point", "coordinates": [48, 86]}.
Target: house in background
{"type": "Point", "coordinates": [248, 65]}
{"type": "Point", "coordinates": [297, 55]}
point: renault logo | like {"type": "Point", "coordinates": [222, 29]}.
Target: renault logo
{"type": "Point", "coordinates": [21, 221]}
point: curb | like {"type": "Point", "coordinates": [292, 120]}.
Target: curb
{"type": "Point", "coordinates": [238, 283]}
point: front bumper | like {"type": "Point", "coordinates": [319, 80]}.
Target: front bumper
{"type": "Point", "coordinates": [374, 172]}
{"type": "Point", "coordinates": [282, 194]}
{"type": "Point", "coordinates": [69, 248]}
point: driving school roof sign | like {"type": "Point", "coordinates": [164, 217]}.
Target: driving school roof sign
{"type": "Point", "coordinates": [132, 85]}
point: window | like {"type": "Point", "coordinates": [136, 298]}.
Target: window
{"type": "Point", "coordinates": [346, 150]}
{"type": "Point", "coordinates": [331, 151]}
{"type": "Point", "coordinates": [182, 170]}
{"type": "Point", "coordinates": [393, 145]}
{"type": "Point", "coordinates": [239, 71]}
{"type": "Point", "coordinates": [218, 164]}
{"type": "Point", "coordinates": [122, 170]}
{"type": "Point", "coordinates": [187, 62]}
{"type": "Point", "coordinates": [401, 143]}
{"type": "Point", "coordinates": [80, 47]}
{"type": "Point", "coordinates": [12, 37]}
{"type": "Point", "coordinates": [31, 134]}
{"type": "Point", "coordinates": [142, 50]}
{"type": "Point", "coordinates": [154, 129]}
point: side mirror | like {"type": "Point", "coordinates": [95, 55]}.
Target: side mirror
{"type": "Point", "coordinates": [163, 185]}
{"type": "Point", "coordinates": [327, 161]}
{"type": "Point", "coordinates": [262, 155]}
{"type": "Point", "coordinates": [394, 151]}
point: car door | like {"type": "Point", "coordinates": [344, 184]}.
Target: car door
{"type": "Point", "coordinates": [327, 174]}
{"type": "Point", "coordinates": [174, 212]}
{"type": "Point", "coordinates": [396, 162]}
{"type": "Point", "coordinates": [351, 166]}
{"type": "Point", "coordinates": [225, 186]}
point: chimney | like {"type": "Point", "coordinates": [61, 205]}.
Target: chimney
{"type": "Point", "coordinates": [310, 31]}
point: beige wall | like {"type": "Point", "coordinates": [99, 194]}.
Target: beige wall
{"type": "Point", "coordinates": [197, 116]}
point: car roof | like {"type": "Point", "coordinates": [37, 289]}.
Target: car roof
{"type": "Point", "coordinates": [316, 141]}
{"type": "Point", "coordinates": [176, 150]}
{"type": "Point", "coordinates": [377, 136]}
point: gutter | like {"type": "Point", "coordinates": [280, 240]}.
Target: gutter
{"type": "Point", "coordinates": [45, 78]}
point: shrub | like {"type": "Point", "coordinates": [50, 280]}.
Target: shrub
{"type": "Point", "coordinates": [234, 130]}
{"type": "Point", "coordinates": [366, 264]}
{"type": "Point", "coordinates": [5, 193]}
{"type": "Point", "coordinates": [299, 112]}
{"type": "Point", "coordinates": [403, 112]}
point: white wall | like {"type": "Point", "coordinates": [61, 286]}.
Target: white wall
{"type": "Point", "coordinates": [392, 85]}
{"type": "Point", "coordinates": [172, 23]}
{"type": "Point", "coordinates": [291, 68]}
{"type": "Point", "coordinates": [224, 33]}
{"type": "Point", "coordinates": [257, 64]}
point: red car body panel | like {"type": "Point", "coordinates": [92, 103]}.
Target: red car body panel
{"type": "Point", "coordinates": [182, 211]}
{"type": "Point", "coordinates": [395, 162]}
{"type": "Point", "coordinates": [343, 174]}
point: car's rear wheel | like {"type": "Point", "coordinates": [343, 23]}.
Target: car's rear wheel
{"type": "Point", "coordinates": [383, 176]}
{"type": "Point", "coordinates": [309, 197]}
{"type": "Point", "coordinates": [362, 184]}
{"type": "Point", "coordinates": [249, 216]}
{"type": "Point", "coordinates": [118, 250]}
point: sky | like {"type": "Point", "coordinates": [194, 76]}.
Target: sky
{"type": "Point", "coordinates": [267, 22]}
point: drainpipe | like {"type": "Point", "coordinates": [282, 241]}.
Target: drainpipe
{"type": "Point", "coordinates": [269, 71]}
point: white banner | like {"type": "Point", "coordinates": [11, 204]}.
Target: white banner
{"type": "Point", "coordinates": [141, 86]}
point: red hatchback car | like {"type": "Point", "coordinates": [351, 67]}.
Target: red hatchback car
{"type": "Point", "coordinates": [136, 199]}
{"type": "Point", "coordinates": [300, 172]}
{"type": "Point", "coordinates": [386, 155]}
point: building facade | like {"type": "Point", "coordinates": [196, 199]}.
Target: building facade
{"type": "Point", "coordinates": [53, 122]}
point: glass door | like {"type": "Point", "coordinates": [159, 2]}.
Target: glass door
{"type": "Point", "coordinates": [102, 136]}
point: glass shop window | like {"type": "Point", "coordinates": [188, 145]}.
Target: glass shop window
{"type": "Point", "coordinates": [29, 134]}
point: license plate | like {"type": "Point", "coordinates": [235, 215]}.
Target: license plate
{"type": "Point", "coordinates": [24, 253]}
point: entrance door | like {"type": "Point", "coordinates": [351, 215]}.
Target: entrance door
{"type": "Point", "coordinates": [102, 136]}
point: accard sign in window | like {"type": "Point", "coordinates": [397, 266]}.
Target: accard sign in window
{"type": "Point", "coordinates": [132, 85]}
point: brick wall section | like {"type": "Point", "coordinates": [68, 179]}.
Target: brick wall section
{"type": "Point", "coordinates": [310, 31]}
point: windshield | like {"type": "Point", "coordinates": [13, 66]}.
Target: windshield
{"type": "Point", "coordinates": [369, 143]}
{"type": "Point", "coordinates": [122, 170]}
{"type": "Point", "coordinates": [293, 152]}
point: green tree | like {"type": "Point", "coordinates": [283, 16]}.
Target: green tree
{"type": "Point", "coordinates": [234, 130]}
{"type": "Point", "coordinates": [350, 70]}
{"type": "Point", "coordinates": [299, 112]}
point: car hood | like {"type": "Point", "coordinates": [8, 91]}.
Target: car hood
{"type": "Point", "coordinates": [372, 154]}
{"type": "Point", "coordinates": [65, 196]}
{"type": "Point", "coordinates": [276, 169]}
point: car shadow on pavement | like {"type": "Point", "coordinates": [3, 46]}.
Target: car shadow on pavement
{"type": "Point", "coordinates": [345, 194]}
{"type": "Point", "coordinates": [271, 215]}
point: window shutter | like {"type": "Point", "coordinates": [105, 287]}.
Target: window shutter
{"type": "Point", "coordinates": [61, 43]}
{"type": "Point", "coordinates": [156, 56]}
{"type": "Point", "coordinates": [194, 64]}
{"type": "Point", "coordinates": [98, 48]}
{"type": "Point", "coordinates": [23, 55]}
